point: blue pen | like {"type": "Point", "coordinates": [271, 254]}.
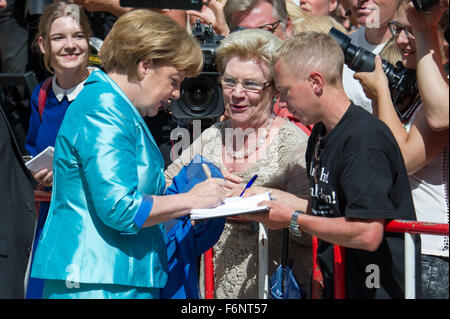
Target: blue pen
{"type": "Point", "coordinates": [250, 182]}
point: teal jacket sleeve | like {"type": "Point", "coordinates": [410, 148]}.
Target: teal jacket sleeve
{"type": "Point", "coordinates": [107, 150]}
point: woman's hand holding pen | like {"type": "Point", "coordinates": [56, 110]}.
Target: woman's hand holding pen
{"type": "Point", "coordinates": [209, 193]}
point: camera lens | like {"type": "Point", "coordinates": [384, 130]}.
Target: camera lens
{"type": "Point", "coordinates": [357, 58]}
{"type": "Point", "coordinates": [401, 81]}
{"type": "Point", "coordinates": [198, 95]}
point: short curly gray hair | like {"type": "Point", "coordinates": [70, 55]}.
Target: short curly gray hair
{"type": "Point", "coordinates": [257, 44]}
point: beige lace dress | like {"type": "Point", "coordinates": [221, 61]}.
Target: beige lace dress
{"type": "Point", "coordinates": [281, 166]}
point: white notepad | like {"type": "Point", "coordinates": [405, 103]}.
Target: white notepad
{"type": "Point", "coordinates": [43, 160]}
{"type": "Point", "coordinates": [233, 206]}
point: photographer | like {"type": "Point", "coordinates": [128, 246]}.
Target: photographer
{"type": "Point", "coordinates": [425, 153]}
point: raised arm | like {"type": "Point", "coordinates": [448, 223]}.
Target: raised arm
{"type": "Point", "coordinates": [421, 143]}
{"type": "Point", "coordinates": [431, 78]}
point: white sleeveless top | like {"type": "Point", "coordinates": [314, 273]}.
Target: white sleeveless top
{"type": "Point", "coordinates": [429, 187]}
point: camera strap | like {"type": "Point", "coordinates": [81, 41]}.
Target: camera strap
{"type": "Point", "coordinates": [405, 117]}
{"type": "Point", "coordinates": [43, 92]}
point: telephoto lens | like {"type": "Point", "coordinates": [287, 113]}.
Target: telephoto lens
{"type": "Point", "coordinates": [402, 81]}
{"type": "Point", "coordinates": [201, 97]}
{"type": "Point", "coordinates": [358, 59]}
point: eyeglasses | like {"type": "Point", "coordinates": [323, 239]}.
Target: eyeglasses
{"type": "Point", "coordinates": [252, 86]}
{"type": "Point", "coordinates": [271, 27]}
{"type": "Point", "coordinates": [397, 28]}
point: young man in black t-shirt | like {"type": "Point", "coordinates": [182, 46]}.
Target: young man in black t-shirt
{"type": "Point", "coordinates": [356, 172]}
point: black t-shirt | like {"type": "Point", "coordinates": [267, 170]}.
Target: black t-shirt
{"type": "Point", "coordinates": [360, 173]}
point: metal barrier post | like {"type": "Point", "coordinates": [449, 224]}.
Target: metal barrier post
{"type": "Point", "coordinates": [263, 261]}
{"type": "Point", "coordinates": [410, 266]}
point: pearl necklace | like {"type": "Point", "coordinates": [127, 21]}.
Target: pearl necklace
{"type": "Point", "coordinates": [262, 136]}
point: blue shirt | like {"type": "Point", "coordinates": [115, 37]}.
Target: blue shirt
{"type": "Point", "coordinates": [43, 134]}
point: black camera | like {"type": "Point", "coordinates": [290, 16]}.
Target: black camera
{"type": "Point", "coordinates": [201, 97]}
{"type": "Point", "coordinates": [424, 5]}
{"type": "Point", "coordinates": [402, 81]}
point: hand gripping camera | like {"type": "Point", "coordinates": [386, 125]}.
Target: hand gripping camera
{"type": "Point", "coordinates": [402, 81]}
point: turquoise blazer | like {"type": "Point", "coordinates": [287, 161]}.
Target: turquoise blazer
{"type": "Point", "coordinates": [106, 166]}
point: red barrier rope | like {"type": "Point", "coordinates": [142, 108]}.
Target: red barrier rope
{"type": "Point", "coordinates": [414, 227]}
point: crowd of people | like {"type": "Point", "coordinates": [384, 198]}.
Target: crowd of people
{"type": "Point", "coordinates": [337, 152]}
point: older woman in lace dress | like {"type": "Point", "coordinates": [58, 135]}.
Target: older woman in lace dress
{"type": "Point", "coordinates": [253, 140]}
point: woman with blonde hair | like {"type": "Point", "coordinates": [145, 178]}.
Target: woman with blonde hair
{"type": "Point", "coordinates": [316, 23]}
{"type": "Point", "coordinates": [104, 236]}
{"type": "Point", "coordinates": [63, 41]}
{"type": "Point", "coordinates": [252, 141]}
{"type": "Point", "coordinates": [294, 10]}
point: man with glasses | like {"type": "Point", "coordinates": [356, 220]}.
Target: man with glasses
{"type": "Point", "coordinates": [373, 17]}
{"type": "Point", "coordinates": [356, 174]}
{"type": "Point", "coordinates": [270, 15]}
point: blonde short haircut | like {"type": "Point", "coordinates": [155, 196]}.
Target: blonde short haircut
{"type": "Point", "coordinates": [308, 51]}
{"type": "Point", "coordinates": [256, 44]}
{"type": "Point", "coordinates": [146, 35]}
